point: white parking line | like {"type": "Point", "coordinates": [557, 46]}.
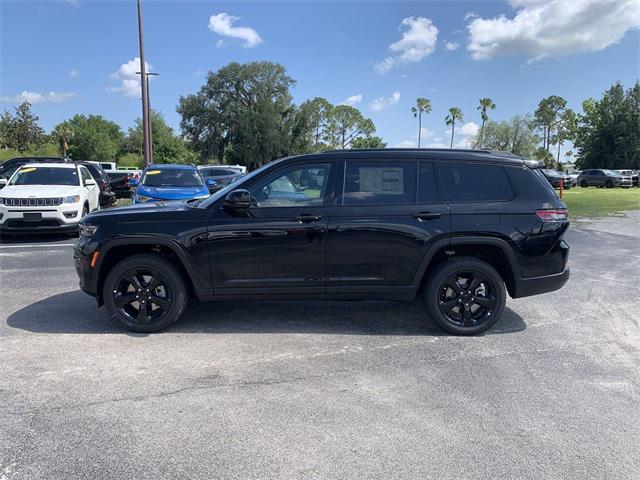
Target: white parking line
{"type": "Point", "coordinates": [28, 245]}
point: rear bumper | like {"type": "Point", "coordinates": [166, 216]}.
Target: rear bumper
{"type": "Point", "coordinates": [527, 287]}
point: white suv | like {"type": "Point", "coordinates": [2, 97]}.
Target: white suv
{"type": "Point", "coordinates": [47, 197]}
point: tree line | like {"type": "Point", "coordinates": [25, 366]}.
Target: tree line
{"type": "Point", "coordinates": [244, 114]}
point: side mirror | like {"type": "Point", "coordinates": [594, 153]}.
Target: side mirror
{"type": "Point", "coordinates": [211, 184]}
{"type": "Point", "coordinates": [89, 182]}
{"type": "Point", "coordinates": [3, 182]}
{"type": "Point", "coordinates": [237, 200]}
{"type": "Point", "coordinates": [132, 182]}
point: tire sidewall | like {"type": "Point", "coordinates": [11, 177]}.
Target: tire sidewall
{"type": "Point", "coordinates": [168, 271]}
{"type": "Point", "coordinates": [449, 267]}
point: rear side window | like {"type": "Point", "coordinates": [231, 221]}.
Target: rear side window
{"type": "Point", "coordinates": [467, 182]}
{"type": "Point", "coordinates": [379, 183]}
{"type": "Point", "coordinates": [427, 185]}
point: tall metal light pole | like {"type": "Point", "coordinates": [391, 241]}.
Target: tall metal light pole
{"type": "Point", "coordinates": [148, 131]}
{"type": "Point", "coordinates": [145, 98]}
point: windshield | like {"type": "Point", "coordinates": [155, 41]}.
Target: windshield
{"type": "Point", "coordinates": [45, 176]}
{"type": "Point", "coordinates": [172, 177]}
{"type": "Point", "coordinates": [552, 173]}
{"type": "Point", "coordinates": [216, 172]}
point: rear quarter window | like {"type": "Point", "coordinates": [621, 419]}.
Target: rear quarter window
{"type": "Point", "coordinates": [473, 182]}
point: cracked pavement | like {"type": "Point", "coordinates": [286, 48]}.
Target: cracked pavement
{"type": "Point", "coordinates": [318, 389]}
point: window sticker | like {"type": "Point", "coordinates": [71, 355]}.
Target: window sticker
{"type": "Point", "coordinates": [28, 169]}
{"type": "Point", "coordinates": [384, 181]}
{"type": "Point", "coordinates": [153, 172]}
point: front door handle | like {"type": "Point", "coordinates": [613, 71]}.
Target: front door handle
{"type": "Point", "coordinates": [305, 218]}
{"type": "Point", "coordinates": [427, 215]}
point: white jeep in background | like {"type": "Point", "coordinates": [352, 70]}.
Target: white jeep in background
{"type": "Point", "coordinates": [41, 197]}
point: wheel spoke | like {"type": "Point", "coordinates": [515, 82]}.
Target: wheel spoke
{"type": "Point", "coordinates": [445, 307]}
{"type": "Point", "coordinates": [467, 316]}
{"type": "Point", "coordinates": [454, 285]}
{"type": "Point", "coordinates": [142, 313]}
{"type": "Point", "coordinates": [134, 281]}
{"type": "Point", "coordinates": [474, 284]}
{"type": "Point", "coordinates": [123, 299]}
{"type": "Point", "coordinates": [161, 302]}
{"type": "Point", "coordinates": [486, 302]}
{"type": "Point", "coordinates": [153, 283]}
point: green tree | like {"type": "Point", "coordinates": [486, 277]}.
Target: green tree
{"type": "Point", "coordinates": [93, 138]}
{"type": "Point", "coordinates": [244, 106]}
{"type": "Point", "coordinates": [62, 134]}
{"type": "Point", "coordinates": [607, 133]}
{"type": "Point", "coordinates": [565, 130]}
{"type": "Point", "coordinates": [368, 142]}
{"type": "Point", "coordinates": [347, 124]}
{"type": "Point", "coordinates": [516, 136]}
{"type": "Point", "coordinates": [167, 147]}
{"type": "Point", "coordinates": [547, 116]}
{"type": "Point", "coordinates": [21, 131]}
{"type": "Point", "coordinates": [318, 113]}
{"type": "Point", "coordinates": [423, 105]}
{"type": "Point", "coordinates": [485, 104]}
{"type": "Point", "coordinates": [455, 113]}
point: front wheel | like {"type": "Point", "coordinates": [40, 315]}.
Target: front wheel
{"type": "Point", "coordinates": [584, 184]}
{"type": "Point", "coordinates": [145, 293]}
{"type": "Point", "coordinates": [465, 296]}
{"type": "Point", "coordinates": [608, 184]}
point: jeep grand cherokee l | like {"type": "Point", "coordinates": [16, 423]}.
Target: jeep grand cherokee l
{"type": "Point", "coordinates": [458, 229]}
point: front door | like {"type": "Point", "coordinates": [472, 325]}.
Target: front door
{"type": "Point", "coordinates": [277, 245]}
{"type": "Point", "coordinates": [386, 218]}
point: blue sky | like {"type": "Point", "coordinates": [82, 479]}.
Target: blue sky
{"type": "Point", "coordinates": [68, 56]}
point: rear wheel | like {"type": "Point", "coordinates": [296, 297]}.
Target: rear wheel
{"type": "Point", "coordinates": [584, 184]}
{"type": "Point", "coordinates": [465, 296]}
{"type": "Point", "coordinates": [145, 293]}
{"type": "Point", "coordinates": [608, 184]}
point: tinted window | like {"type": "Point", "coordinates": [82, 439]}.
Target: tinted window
{"type": "Point", "coordinates": [466, 182]}
{"type": "Point", "coordinates": [172, 177]}
{"type": "Point", "coordinates": [427, 183]}
{"type": "Point", "coordinates": [297, 186]}
{"type": "Point", "coordinates": [379, 183]}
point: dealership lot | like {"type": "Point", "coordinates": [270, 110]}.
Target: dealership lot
{"type": "Point", "coordinates": [316, 389]}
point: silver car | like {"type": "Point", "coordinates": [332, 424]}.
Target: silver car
{"type": "Point", "coordinates": [603, 178]}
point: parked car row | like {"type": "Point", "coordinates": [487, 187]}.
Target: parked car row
{"type": "Point", "coordinates": [606, 178]}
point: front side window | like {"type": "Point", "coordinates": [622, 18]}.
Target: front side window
{"type": "Point", "coordinates": [293, 187]}
{"type": "Point", "coordinates": [172, 177]}
{"type": "Point", "coordinates": [45, 176]}
{"type": "Point", "coordinates": [379, 183]}
{"type": "Point", "coordinates": [467, 182]}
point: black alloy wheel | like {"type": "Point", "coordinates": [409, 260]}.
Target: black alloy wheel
{"type": "Point", "coordinates": [142, 295]}
{"type": "Point", "coordinates": [465, 295]}
{"type": "Point", "coordinates": [145, 293]}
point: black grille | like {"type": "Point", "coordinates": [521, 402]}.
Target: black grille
{"type": "Point", "coordinates": [39, 223]}
{"type": "Point", "coordinates": [32, 202]}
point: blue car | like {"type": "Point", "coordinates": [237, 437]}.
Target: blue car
{"type": "Point", "coordinates": [170, 182]}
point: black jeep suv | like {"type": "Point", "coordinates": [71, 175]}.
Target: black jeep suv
{"type": "Point", "coordinates": [458, 228]}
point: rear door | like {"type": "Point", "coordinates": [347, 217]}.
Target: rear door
{"type": "Point", "coordinates": [387, 216]}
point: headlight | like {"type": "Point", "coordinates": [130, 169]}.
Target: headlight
{"type": "Point", "coordinates": [71, 199]}
{"type": "Point", "coordinates": [87, 230]}
{"type": "Point", "coordinates": [142, 198]}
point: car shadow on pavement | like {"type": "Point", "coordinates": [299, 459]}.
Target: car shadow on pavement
{"type": "Point", "coordinates": [75, 312]}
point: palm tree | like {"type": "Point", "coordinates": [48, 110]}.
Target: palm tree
{"type": "Point", "coordinates": [454, 114]}
{"type": "Point", "coordinates": [485, 104]}
{"type": "Point", "coordinates": [63, 133]}
{"type": "Point", "coordinates": [423, 105]}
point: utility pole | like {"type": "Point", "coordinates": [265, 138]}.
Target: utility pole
{"type": "Point", "coordinates": [148, 131]}
{"type": "Point", "coordinates": [145, 99]}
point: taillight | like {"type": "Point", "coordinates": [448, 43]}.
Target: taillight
{"type": "Point", "coordinates": [126, 180]}
{"type": "Point", "coordinates": [103, 184]}
{"type": "Point", "coordinates": [553, 215]}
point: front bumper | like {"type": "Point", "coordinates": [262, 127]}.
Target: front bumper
{"type": "Point", "coordinates": [16, 219]}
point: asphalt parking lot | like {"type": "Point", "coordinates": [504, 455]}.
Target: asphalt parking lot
{"type": "Point", "coordinates": [323, 389]}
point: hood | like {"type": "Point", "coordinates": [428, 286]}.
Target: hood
{"type": "Point", "coordinates": [140, 208]}
{"type": "Point", "coordinates": [39, 191]}
{"type": "Point", "coordinates": [172, 193]}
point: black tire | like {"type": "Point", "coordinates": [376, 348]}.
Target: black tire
{"type": "Point", "coordinates": [608, 184]}
{"type": "Point", "coordinates": [584, 184]}
{"type": "Point", "coordinates": [85, 211]}
{"type": "Point", "coordinates": [170, 293]}
{"type": "Point", "coordinates": [437, 296]}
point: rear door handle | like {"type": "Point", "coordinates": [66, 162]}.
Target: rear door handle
{"type": "Point", "coordinates": [305, 218]}
{"type": "Point", "coordinates": [427, 215]}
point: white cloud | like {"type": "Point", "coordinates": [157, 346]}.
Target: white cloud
{"type": "Point", "coordinates": [553, 28]}
{"type": "Point", "coordinates": [419, 37]}
{"type": "Point", "coordinates": [129, 79]}
{"type": "Point", "coordinates": [352, 100]}
{"type": "Point", "coordinates": [435, 144]}
{"type": "Point", "coordinates": [37, 97]}
{"type": "Point", "coordinates": [381, 103]}
{"type": "Point", "coordinates": [73, 73]}
{"type": "Point", "coordinates": [426, 133]}
{"type": "Point", "coordinates": [406, 144]}
{"type": "Point", "coordinates": [222, 24]}
{"type": "Point", "coordinates": [451, 46]}
{"type": "Point", "coordinates": [469, 129]}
